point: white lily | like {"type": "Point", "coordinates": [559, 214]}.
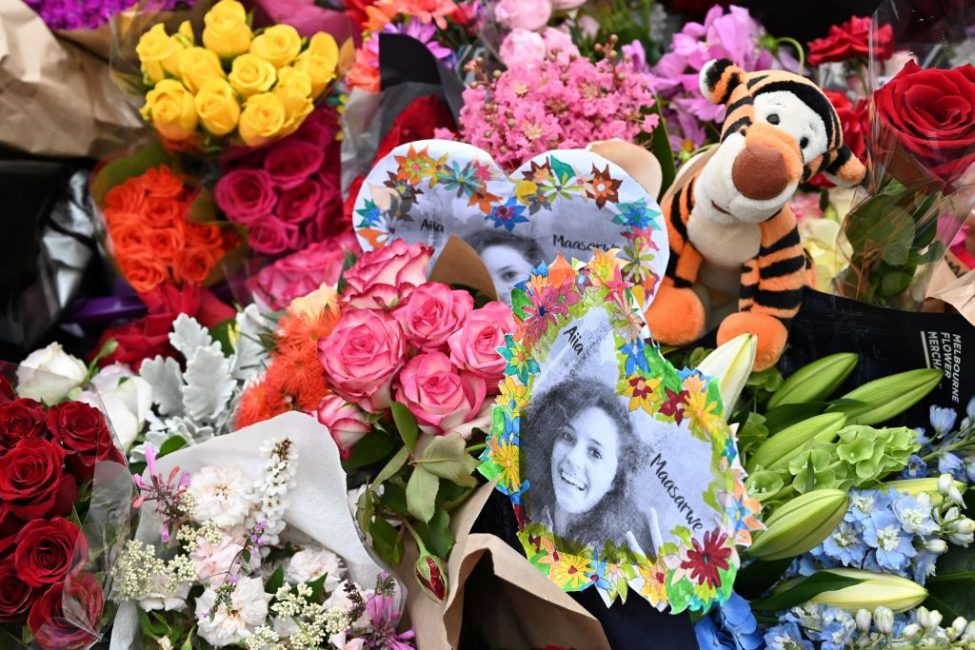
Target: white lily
{"type": "Point", "coordinates": [731, 364]}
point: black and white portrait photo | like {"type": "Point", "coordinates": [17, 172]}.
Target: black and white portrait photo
{"type": "Point", "coordinates": [509, 258]}
{"type": "Point", "coordinates": [599, 472]}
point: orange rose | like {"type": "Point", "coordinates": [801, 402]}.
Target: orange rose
{"type": "Point", "coordinates": [128, 237]}
{"type": "Point", "coordinates": [144, 272]}
{"type": "Point", "coordinates": [192, 265]}
{"type": "Point", "coordinates": [161, 182]}
{"type": "Point", "coordinates": [127, 197]}
{"type": "Point", "coordinates": [166, 242]}
{"type": "Point", "coordinates": [205, 236]}
{"type": "Point", "coordinates": [163, 213]}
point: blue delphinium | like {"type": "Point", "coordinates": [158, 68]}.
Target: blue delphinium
{"type": "Point", "coordinates": [883, 532]}
{"type": "Point", "coordinates": [916, 467]}
{"type": "Point", "coordinates": [732, 627]}
{"type": "Point", "coordinates": [786, 636]}
{"type": "Point", "coordinates": [949, 463]}
{"type": "Point", "coordinates": [942, 420]}
{"type": "Point", "coordinates": [914, 514]}
{"type": "Point", "coordinates": [845, 544]}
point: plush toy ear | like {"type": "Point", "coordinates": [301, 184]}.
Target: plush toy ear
{"type": "Point", "coordinates": [719, 78]}
{"type": "Point", "coordinates": [846, 170]}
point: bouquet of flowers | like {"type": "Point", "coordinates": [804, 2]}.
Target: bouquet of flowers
{"type": "Point", "coordinates": [229, 82]}
{"type": "Point", "coordinates": [64, 506]}
{"type": "Point", "coordinates": [922, 155]}
{"type": "Point", "coordinates": [218, 558]}
{"type": "Point", "coordinates": [288, 194]}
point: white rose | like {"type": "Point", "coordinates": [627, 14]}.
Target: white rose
{"type": "Point", "coordinates": [159, 598]}
{"type": "Point", "coordinates": [124, 397]}
{"type": "Point", "coordinates": [49, 374]}
{"type": "Point", "coordinates": [223, 494]}
{"type": "Point", "coordinates": [311, 564]}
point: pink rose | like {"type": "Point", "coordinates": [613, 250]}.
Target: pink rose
{"type": "Point", "coordinates": [301, 273]}
{"type": "Point", "coordinates": [301, 203]}
{"type": "Point", "coordinates": [273, 236]}
{"type": "Point", "coordinates": [437, 395]}
{"type": "Point", "coordinates": [291, 162]}
{"type": "Point", "coordinates": [522, 47]}
{"type": "Point", "coordinates": [383, 277]}
{"type": "Point", "coordinates": [559, 41]}
{"type": "Point", "coordinates": [246, 195]}
{"type": "Point", "coordinates": [361, 356]}
{"type": "Point", "coordinates": [346, 423]}
{"type": "Point", "coordinates": [523, 14]}
{"type": "Point", "coordinates": [433, 312]}
{"type": "Point", "coordinates": [474, 347]}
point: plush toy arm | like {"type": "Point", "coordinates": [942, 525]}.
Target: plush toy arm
{"type": "Point", "coordinates": [685, 261]}
{"type": "Point", "coordinates": [771, 290]}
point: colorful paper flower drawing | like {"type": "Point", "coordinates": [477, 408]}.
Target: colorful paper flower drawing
{"type": "Point", "coordinates": [630, 480]}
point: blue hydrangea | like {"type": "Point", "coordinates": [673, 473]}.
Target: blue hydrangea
{"type": "Point", "coordinates": [738, 620]}
{"type": "Point", "coordinates": [942, 419]}
{"type": "Point", "coordinates": [786, 637]}
{"type": "Point", "coordinates": [882, 531]}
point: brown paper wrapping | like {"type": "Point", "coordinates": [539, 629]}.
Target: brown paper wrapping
{"type": "Point", "coordinates": [459, 264]}
{"type": "Point", "coordinates": [56, 98]}
{"type": "Point", "coordinates": [506, 596]}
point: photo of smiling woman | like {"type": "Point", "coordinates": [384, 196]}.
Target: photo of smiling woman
{"type": "Point", "coordinates": [509, 258]}
{"type": "Point", "coordinates": [580, 454]}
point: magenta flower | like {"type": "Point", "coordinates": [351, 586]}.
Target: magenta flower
{"type": "Point", "coordinates": [384, 617]}
{"type": "Point", "coordinates": [425, 33]}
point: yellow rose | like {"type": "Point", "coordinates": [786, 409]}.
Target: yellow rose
{"type": "Point", "coordinates": [322, 44]}
{"type": "Point", "coordinates": [158, 53]}
{"type": "Point", "coordinates": [197, 65]}
{"type": "Point", "coordinates": [217, 107]}
{"type": "Point", "coordinates": [293, 80]}
{"type": "Point", "coordinates": [320, 69]}
{"type": "Point", "coordinates": [279, 44]}
{"type": "Point", "coordinates": [226, 31]}
{"type": "Point", "coordinates": [294, 90]}
{"type": "Point", "coordinates": [250, 75]}
{"type": "Point", "coordinates": [171, 109]}
{"type": "Point", "coordinates": [262, 120]}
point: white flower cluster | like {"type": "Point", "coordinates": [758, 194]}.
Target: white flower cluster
{"type": "Point", "coordinates": [154, 582]}
{"type": "Point", "coordinates": [300, 624]}
{"type": "Point", "coordinates": [277, 478]}
{"type": "Point", "coordinates": [226, 619]}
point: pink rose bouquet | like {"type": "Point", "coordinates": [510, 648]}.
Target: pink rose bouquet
{"type": "Point", "coordinates": [288, 194]}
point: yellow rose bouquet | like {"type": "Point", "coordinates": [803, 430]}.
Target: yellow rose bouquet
{"type": "Point", "coordinates": [225, 82]}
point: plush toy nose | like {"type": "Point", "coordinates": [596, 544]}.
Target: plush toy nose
{"type": "Point", "coordinates": [760, 172]}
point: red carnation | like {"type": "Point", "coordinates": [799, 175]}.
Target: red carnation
{"type": "Point", "coordinates": [851, 40]}
{"type": "Point", "coordinates": [48, 550]}
{"type": "Point", "coordinates": [20, 419]}
{"type": "Point", "coordinates": [68, 615]}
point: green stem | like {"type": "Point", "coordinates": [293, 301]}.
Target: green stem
{"type": "Point", "coordinates": [416, 536]}
{"type": "Point", "coordinates": [476, 448]}
{"type": "Point", "coordinates": [796, 44]}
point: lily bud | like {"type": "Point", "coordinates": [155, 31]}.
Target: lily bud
{"type": "Point", "coordinates": [800, 524]}
{"type": "Point", "coordinates": [815, 381]}
{"type": "Point", "coordinates": [430, 575]}
{"type": "Point", "coordinates": [731, 364]}
{"type": "Point", "coordinates": [930, 486]}
{"type": "Point", "coordinates": [873, 590]}
{"type": "Point", "coordinates": [936, 546]}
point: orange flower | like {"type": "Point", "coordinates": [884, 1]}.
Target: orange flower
{"type": "Point", "coordinates": [129, 238]}
{"type": "Point", "coordinates": [429, 10]}
{"type": "Point", "coordinates": [205, 236]}
{"type": "Point", "coordinates": [192, 265]}
{"type": "Point", "coordinates": [165, 242]}
{"type": "Point", "coordinates": [126, 197]}
{"type": "Point", "coordinates": [163, 212]}
{"type": "Point", "coordinates": [144, 271]}
{"type": "Point", "coordinates": [161, 182]}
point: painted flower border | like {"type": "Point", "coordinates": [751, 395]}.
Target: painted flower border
{"type": "Point", "coordinates": [538, 185]}
{"type": "Point", "coordinates": [678, 576]}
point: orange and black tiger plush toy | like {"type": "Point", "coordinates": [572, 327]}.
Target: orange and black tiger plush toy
{"type": "Point", "coordinates": [729, 224]}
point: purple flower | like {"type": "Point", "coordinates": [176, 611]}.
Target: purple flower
{"type": "Point", "coordinates": [384, 616]}
{"type": "Point", "coordinates": [89, 14]}
{"type": "Point", "coordinates": [425, 33]}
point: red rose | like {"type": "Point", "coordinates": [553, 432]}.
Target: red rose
{"type": "Point", "coordinates": [48, 550]}
{"type": "Point", "coordinates": [82, 431]}
{"type": "Point", "coordinates": [148, 337]}
{"type": "Point", "coordinates": [850, 40]}
{"type": "Point", "coordinates": [16, 595]}
{"type": "Point", "coordinates": [930, 114]}
{"type": "Point", "coordinates": [417, 122]}
{"type": "Point", "coordinates": [22, 418]}
{"type": "Point", "coordinates": [291, 162]}
{"type": "Point", "coordinates": [32, 480]}
{"type": "Point", "coordinates": [68, 615]}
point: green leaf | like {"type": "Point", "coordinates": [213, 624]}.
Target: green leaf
{"type": "Point", "coordinates": [758, 577]}
{"type": "Point", "coordinates": [374, 447]}
{"type": "Point", "coordinates": [223, 333]}
{"type": "Point", "coordinates": [394, 497]}
{"type": "Point", "coordinates": [405, 424]}
{"type": "Point", "coordinates": [188, 643]}
{"type": "Point", "coordinates": [318, 588]}
{"type": "Point", "coordinates": [275, 582]}
{"type": "Point", "coordinates": [561, 170]}
{"type": "Point", "coordinates": [203, 209]}
{"type": "Point", "coordinates": [125, 167]}
{"type": "Point", "coordinates": [421, 494]}
{"type": "Point", "coordinates": [347, 263]}
{"type": "Point", "coordinates": [801, 591]}
{"type": "Point", "coordinates": [660, 147]}
{"type": "Point", "coordinates": [954, 582]}
{"type": "Point", "coordinates": [446, 457]}
{"type": "Point", "coordinates": [436, 534]}
{"type": "Point", "coordinates": [172, 444]}
{"type": "Point", "coordinates": [387, 541]}
{"type": "Point", "coordinates": [394, 465]}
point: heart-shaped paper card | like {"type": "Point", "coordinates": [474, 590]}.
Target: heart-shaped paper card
{"type": "Point", "coordinates": [560, 202]}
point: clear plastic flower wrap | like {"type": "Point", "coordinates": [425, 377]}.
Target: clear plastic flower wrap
{"type": "Point", "coordinates": [65, 504]}
{"type": "Point", "coordinates": [921, 149]}
{"type": "Point", "coordinates": [225, 77]}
